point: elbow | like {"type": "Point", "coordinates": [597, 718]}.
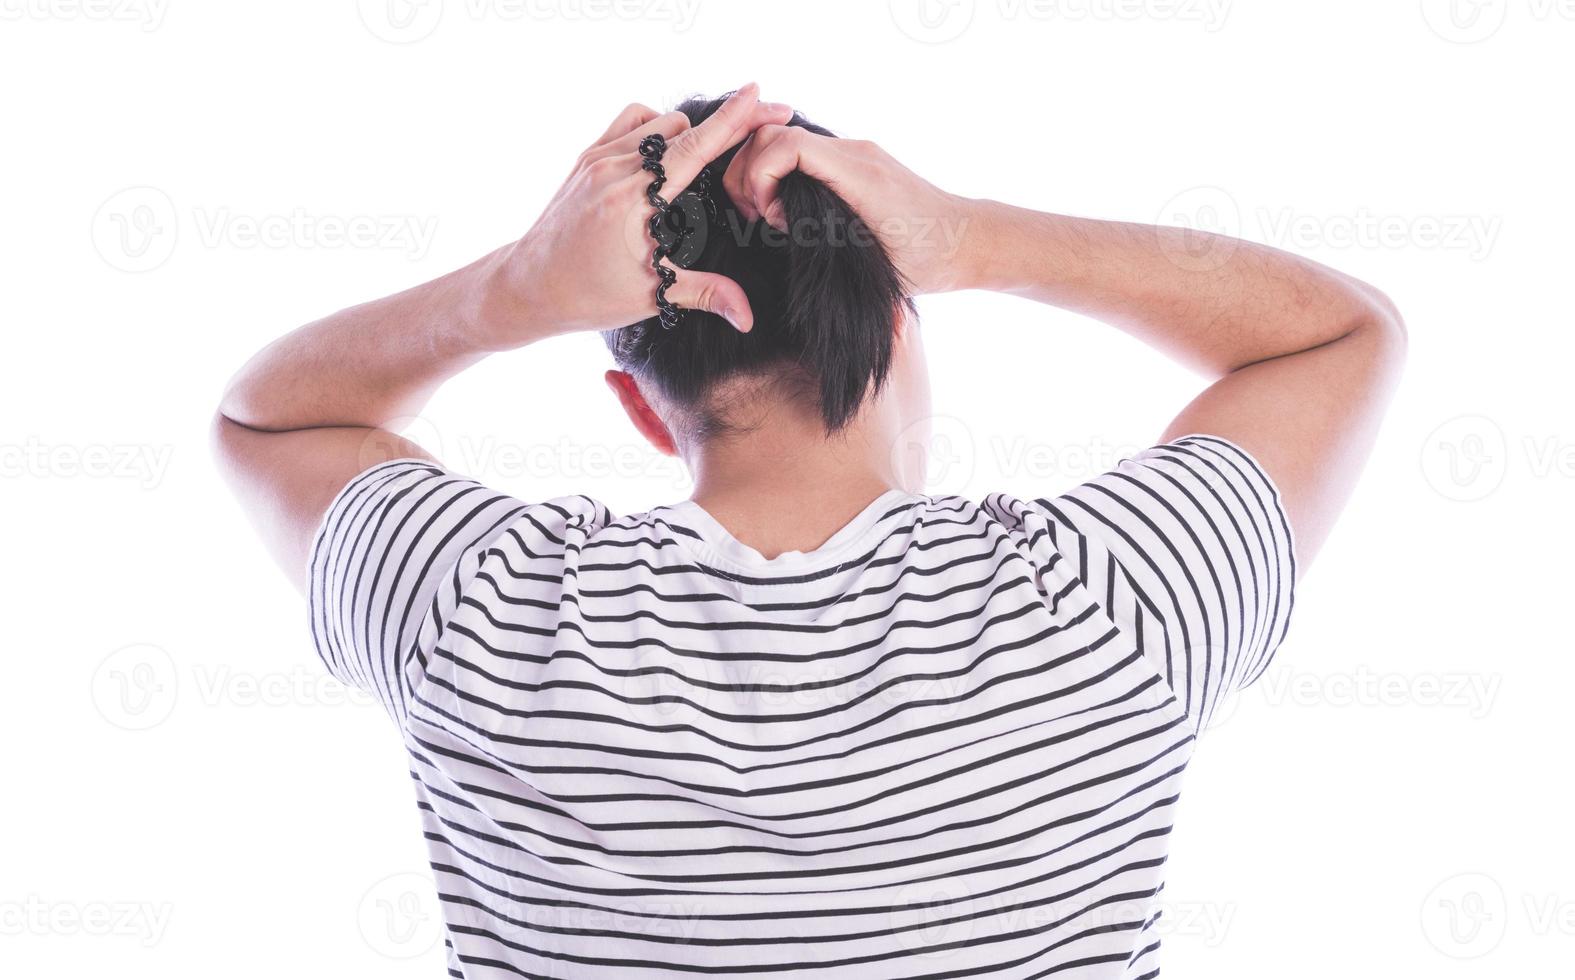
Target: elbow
{"type": "Point", "coordinates": [222, 433]}
{"type": "Point", "coordinates": [229, 404]}
{"type": "Point", "coordinates": [221, 443]}
{"type": "Point", "coordinates": [1387, 319]}
{"type": "Point", "coordinates": [1386, 325]}
{"type": "Point", "coordinates": [1380, 324]}
{"type": "Point", "coordinates": [234, 405]}
{"type": "Point", "coordinates": [238, 410]}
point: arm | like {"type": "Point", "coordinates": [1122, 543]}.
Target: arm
{"type": "Point", "coordinates": [1300, 358]}
{"type": "Point", "coordinates": [306, 414]}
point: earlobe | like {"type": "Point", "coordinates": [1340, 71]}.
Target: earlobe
{"type": "Point", "coordinates": [640, 412]}
{"type": "Point", "coordinates": [903, 321]}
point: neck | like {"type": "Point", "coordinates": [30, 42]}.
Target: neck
{"type": "Point", "coordinates": [783, 484]}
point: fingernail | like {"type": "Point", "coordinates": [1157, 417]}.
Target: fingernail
{"type": "Point", "coordinates": [777, 106]}
{"type": "Point", "coordinates": [730, 316]}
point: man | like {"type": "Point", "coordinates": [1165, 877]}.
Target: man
{"type": "Point", "coordinates": [806, 723]}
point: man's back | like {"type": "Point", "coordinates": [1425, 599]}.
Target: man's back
{"type": "Point", "coordinates": [947, 742]}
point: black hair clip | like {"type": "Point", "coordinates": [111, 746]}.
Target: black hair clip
{"type": "Point", "coordinates": [678, 228]}
{"type": "Point", "coordinates": [651, 150]}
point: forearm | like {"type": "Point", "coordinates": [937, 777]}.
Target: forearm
{"type": "Point", "coordinates": [1215, 303]}
{"type": "Point", "coordinates": [378, 361]}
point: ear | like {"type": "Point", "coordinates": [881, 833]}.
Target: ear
{"type": "Point", "coordinates": [640, 412]}
{"type": "Point", "coordinates": [900, 324]}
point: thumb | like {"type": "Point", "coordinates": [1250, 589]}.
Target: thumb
{"type": "Point", "coordinates": [715, 294]}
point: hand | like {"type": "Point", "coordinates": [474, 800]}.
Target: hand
{"type": "Point", "coordinates": [923, 228]}
{"type": "Point", "coordinates": [586, 263]}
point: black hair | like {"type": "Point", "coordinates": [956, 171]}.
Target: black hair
{"type": "Point", "coordinates": [824, 294]}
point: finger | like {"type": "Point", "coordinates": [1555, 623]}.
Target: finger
{"type": "Point", "coordinates": [736, 182]}
{"type": "Point", "coordinates": [764, 114]}
{"type": "Point", "coordinates": [733, 179]}
{"type": "Point", "coordinates": [780, 153]}
{"type": "Point", "coordinates": [714, 294]}
{"type": "Point", "coordinates": [739, 116]}
{"type": "Point", "coordinates": [669, 124]}
{"type": "Point", "coordinates": [633, 115]}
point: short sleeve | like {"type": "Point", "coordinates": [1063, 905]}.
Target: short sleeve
{"type": "Point", "coordinates": [381, 567]}
{"type": "Point", "coordinates": [1188, 547]}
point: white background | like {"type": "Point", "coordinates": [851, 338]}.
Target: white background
{"type": "Point", "coordinates": [189, 795]}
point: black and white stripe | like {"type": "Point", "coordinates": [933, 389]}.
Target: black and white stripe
{"type": "Point", "coordinates": [946, 744]}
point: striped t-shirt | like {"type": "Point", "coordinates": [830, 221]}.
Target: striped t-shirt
{"type": "Point", "coordinates": [947, 743]}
